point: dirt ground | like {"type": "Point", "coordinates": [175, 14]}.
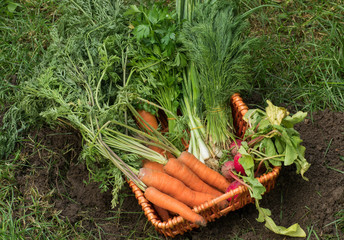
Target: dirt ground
{"type": "Point", "coordinates": [312, 204]}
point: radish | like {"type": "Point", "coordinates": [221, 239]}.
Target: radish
{"type": "Point", "coordinates": [226, 170]}
{"type": "Point", "coordinates": [238, 167]}
{"type": "Point", "coordinates": [235, 145]}
{"type": "Point", "coordinates": [233, 186]}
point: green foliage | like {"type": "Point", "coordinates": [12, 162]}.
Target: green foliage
{"type": "Point", "coordinates": [279, 136]}
{"type": "Point", "coordinates": [216, 44]}
{"type": "Point", "coordinates": [78, 35]}
{"type": "Point", "coordinates": [154, 27]}
{"type": "Point", "coordinates": [293, 231]}
{"type": "Point", "coordinates": [24, 31]}
{"type": "Point", "coordinates": [271, 139]}
{"type": "Point", "coordinates": [299, 60]}
{"type": "Point", "coordinates": [160, 60]}
{"type": "Point", "coordinates": [73, 83]}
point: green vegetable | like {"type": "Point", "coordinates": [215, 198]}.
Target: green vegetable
{"type": "Point", "coordinates": [191, 111]}
{"type": "Point", "coordinates": [78, 82]}
{"type": "Point", "coordinates": [216, 45]}
{"type": "Point", "coordinates": [276, 123]}
{"type": "Point", "coordinates": [155, 31]}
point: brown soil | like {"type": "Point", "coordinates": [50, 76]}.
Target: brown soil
{"type": "Point", "coordinates": [54, 153]}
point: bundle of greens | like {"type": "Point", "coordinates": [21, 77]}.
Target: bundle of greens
{"type": "Point", "coordinates": [160, 60]}
{"type": "Point", "coordinates": [270, 140]}
{"type": "Point", "coordinates": [277, 138]}
{"type": "Point", "coordinates": [216, 45]}
{"type": "Point", "coordinates": [78, 81]}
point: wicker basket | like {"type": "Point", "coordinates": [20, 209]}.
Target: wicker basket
{"type": "Point", "coordinates": [209, 210]}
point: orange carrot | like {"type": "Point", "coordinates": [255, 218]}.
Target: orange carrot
{"type": "Point", "coordinates": [161, 151]}
{"type": "Point", "coordinates": [152, 165]}
{"type": "Point", "coordinates": [182, 172]}
{"type": "Point", "coordinates": [162, 212]}
{"type": "Point", "coordinates": [173, 187]}
{"type": "Point", "coordinates": [205, 173]}
{"type": "Point", "coordinates": [167, 202]}
{"type": "Point", "coordinates": [149, 118]}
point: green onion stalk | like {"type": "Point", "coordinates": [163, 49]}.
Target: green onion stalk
{"type": "Point", "coordinates": [185, 9]}
{"type": "Point", "coordinates": [191, 109]}
{"type": "Point", "coordinates": [191, 103]}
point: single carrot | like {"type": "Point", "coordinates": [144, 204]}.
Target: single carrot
{"type": "Point", "coordinates": [167, 202]}
{"type": "Point", "coordinates": [179, 170]}
{"type": "Point", "coordinates": [162, 212]}
{"type": "Point", "coordinates": [157, 149]}
{"type": "Point", "coordinates": [149, 118]}
{"type": "Point", "coordinates": [152, 165]}
{"type": "Point", "coordinates": [205, 173]}
{"type": "Point", "coordinates": [173, 187]}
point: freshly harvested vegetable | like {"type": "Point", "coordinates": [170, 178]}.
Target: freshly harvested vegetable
{"type": "Point", "coordinates": [149, 118]}
{"type": "Point", "coordinates": [270, 140]}
{"type": "Point", "coordinates": [173, 187]}
{"type": "Point", "coordinates": [226, 168]}
{"type": "Point", "coordinates": [205, 173]}
{"type": "Point", "coordinates": [148, 122]}
{"type": "Point", "coordinates": [216, 46]}
{"type": "Point", "coordinates": [278, 138]}
{"type": "Point", "coordinates": [182, 172]}
{"type": "Point", "coordinates": [191, 109]}
{"type": "Point", "coordinates": [167, 202]}
{"type": "Point", "coordinates": [129, 144]}
{"type": "Point", "coordinates": [152, 165]}
{"type": "Point", "coordinates": [233, 186]}
{"type": "Point", "coordinates": [238, 167]}
{"type": "Point", "coordinates": [229, 171]}
{"type": "Point", "coordinates": [162, 212]}
{"type": "Point", "coordinates": [156, 32]}
{"type": "Point", "coordinates": [234, 146]}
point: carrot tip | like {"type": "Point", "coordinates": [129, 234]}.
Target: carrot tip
{"type": "Point", "coordinates": [201, 222]}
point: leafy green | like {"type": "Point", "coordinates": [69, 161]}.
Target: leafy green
{"type": "Point", "coordinates": [247, 161]}
{"type": "Point", "coordinates": [160, 61]}
{"type": "Point", "coordinates": [271, 139]}
{"type": "Point", "coordinates": [216, 43]}
{"type": "Point", "coordinates": [78, 81]}
{"type": "Point", "coordinates": [275, 114]}
{"type": "Point", "coordinates": [293, 231]}
{"type": "Point", "coordinates": [279, 136]}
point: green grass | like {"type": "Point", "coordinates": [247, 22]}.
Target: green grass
{"type": "Point", "coordinates": [24, 35]}
{"type": "Point", "coordinates": [26, 215]}
{"type": "Point", "coordinates": [28, 212]}
{"type": "Point", "coordinates": [300, 60]}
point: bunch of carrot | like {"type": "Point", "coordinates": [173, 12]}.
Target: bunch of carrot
{"type": "Point", "coordinates": [181, 183]}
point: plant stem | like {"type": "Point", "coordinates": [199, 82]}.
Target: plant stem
{"type": "Point", "coordinates": [239, 180]}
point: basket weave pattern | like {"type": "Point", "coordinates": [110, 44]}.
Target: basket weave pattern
{"type": "Point", "coordinates": [209, 210]}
